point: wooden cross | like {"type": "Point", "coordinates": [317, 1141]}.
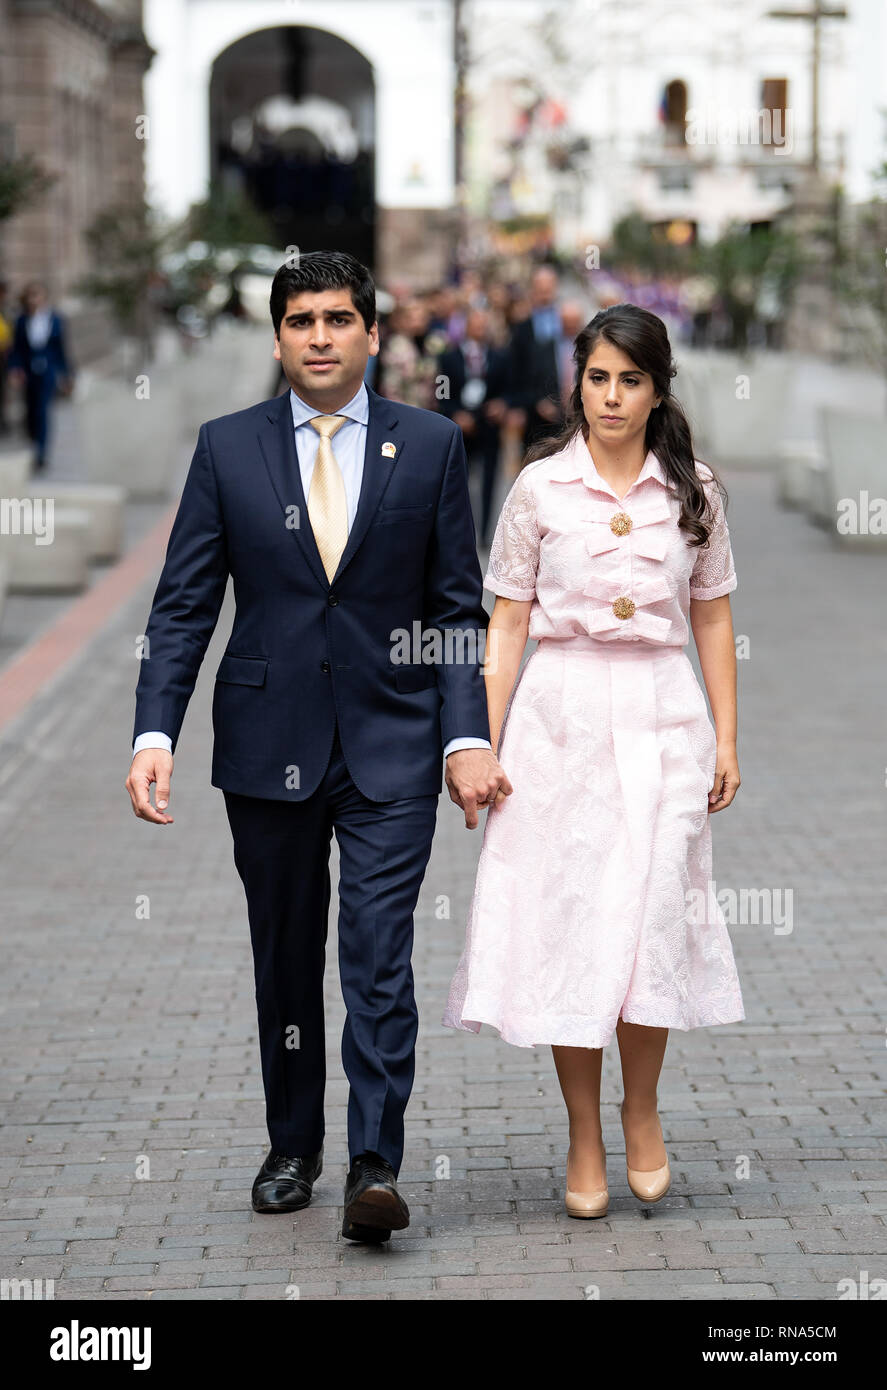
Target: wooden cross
{"type": "Point", "coordinates": [813, 16]}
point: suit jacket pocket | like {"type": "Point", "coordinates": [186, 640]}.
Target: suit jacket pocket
{"type": "Point", "coordinates": [242, 670]}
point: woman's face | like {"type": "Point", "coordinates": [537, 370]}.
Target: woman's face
{"type": "Point", "coordinates": [415, 318]}
{"type": "Point", "coordinates": [617, 396]}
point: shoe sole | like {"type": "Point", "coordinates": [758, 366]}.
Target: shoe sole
{"type": "Point", "coordinates": [378, 1207]}
{"type": "Point", "coordinates": [370, 1235]}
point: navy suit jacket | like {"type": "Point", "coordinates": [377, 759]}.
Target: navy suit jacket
{"type": "Point", "coordinates": [304, 652]}
{"type": "Point", "coordinates": [451, 364]}
{"type": "Point", "coordinates": [48, 362]}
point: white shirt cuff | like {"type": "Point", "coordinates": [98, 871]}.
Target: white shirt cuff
{"type": "Point", "coordinates": [456, 743]}
{"type": "Point", "coordinates": [152, 740]}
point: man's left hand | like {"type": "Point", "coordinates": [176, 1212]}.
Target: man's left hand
{"type": "Point", "coordinates": [474, 778]}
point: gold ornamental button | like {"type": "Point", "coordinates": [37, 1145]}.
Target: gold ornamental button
{"type": "Point", "coordinates": [623, 607]}
{"type": "Point", "coordinates": [620, 524]}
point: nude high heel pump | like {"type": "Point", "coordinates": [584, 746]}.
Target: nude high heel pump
{"type": "Point", "coordinates": [649, 1186]}
{"type": "Point", "coordinates": [587, 1204]}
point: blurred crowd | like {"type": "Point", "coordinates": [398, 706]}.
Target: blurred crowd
{"type": "Point", "coordinates": [494, 356]}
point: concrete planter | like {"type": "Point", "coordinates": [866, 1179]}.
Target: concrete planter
{"type": "Point", "coordinates": [104, 504]}
{"type": "Point", "coordinates": [62, 566]}
{"type": "Point", "coordinates": [855, 447]}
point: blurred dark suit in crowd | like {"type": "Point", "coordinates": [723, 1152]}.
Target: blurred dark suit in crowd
{"type": "Point", "coordinates": [478, 378]}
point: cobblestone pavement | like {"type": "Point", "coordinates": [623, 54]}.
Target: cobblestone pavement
{"type": "Point", "coordinates": [133, 1117]}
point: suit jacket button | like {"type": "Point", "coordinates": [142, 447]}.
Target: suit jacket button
{"type": "Point", "coordinates": [332, 600]}
{"type": "Point", "coordinates": [325, 666]}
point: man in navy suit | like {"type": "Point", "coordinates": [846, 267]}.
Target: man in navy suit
{"type": "Point", "coordinates": [320, 724]}
{"type": "Point", "coordinates": [39, 360]}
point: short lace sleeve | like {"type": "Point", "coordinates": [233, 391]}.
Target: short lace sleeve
{"type": "Point", "coordinates": [713, 573]}
{"type": "Point", "coordinates": [514, 554]}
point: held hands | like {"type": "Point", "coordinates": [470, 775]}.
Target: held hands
{"type": "Point", "coordinates": [150, 765]}
{"type": "Point", "coordinates": [726, 782]}
{"type": "Point", "coordinates": [475, 777]}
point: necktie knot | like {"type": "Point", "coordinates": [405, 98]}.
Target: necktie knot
{"type": "Point", "coordinates": [326, 425]}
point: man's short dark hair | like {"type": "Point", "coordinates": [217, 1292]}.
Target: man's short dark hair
{"type": "Point", "coordinates": [324, 270]}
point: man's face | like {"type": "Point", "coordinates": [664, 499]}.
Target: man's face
{"type": "Point", "coordinates": [572, 321]}
{"type": "Point", "coordinates": [323, 347]}
{"type": "Point", "coordinates": [476, 325]}
{"type": "Point", "coordinates": [544, 287]}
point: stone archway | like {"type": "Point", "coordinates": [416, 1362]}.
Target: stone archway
{"type": "Point", "coordinates": [292, 123]}
{"type": "Point", "coordinates": [409, 49]}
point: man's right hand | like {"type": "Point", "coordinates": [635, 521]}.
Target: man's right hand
{"type": "Point", "coordinates": [150, 765]}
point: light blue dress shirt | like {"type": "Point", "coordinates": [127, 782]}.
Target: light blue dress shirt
{"type": "Point", "coordinates": [349, 446]}
{"type": "Point", "coordinates": [546, 324]}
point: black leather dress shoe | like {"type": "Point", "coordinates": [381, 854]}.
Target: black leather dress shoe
{"type": "Point", "coordinates": [373, 1206]}
{"type": "Point", "coordinates": [284, 1184]}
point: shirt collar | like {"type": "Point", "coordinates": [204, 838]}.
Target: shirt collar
{"type": "Point", "coordinates": [546, 320]}
{"type": "Point", "coordinates": [358, 408]}
{"type": "Point", "coordinates": [575, 461]}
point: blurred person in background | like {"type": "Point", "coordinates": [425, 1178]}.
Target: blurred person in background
{"type": "Point", "coordinates": [39, 362]}
{"type": "Point", "coordinates": [573, 319]}
{"type": "Point", "coordinates": [535, 389]}
{"type": "Point", "coordinates": [499, 311]}
{"type": "Point", "coordinates": [5, 345]}
{"type": "Point", "coordinates": [443, 313]}
{"type": "Point", "coordinates": [476, 374]}
{"type": "Point", "coordinates": [409, 360]}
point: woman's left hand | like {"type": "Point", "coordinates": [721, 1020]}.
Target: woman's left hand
{"type": "Point", "coordinates": [726, 782]}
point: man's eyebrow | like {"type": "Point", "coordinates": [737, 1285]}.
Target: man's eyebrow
{"type": "Point", "coordinates": [335, 313]}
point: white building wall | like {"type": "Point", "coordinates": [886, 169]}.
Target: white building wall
{"type": "Point", "coordinates": [618, 59]}
{"type": "Point", "coordinates": [410, 49]}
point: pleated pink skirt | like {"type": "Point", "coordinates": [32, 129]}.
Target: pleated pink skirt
{"type": "Point", "coordinates": [593, 893]}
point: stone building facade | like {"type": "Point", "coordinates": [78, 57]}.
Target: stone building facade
{"type": "Point", "coordinates": [71, 94]}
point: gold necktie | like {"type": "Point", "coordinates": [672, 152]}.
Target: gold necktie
{"type": "Point", "coordinates": [327, 502]}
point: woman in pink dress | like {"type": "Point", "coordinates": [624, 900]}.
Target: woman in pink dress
{"type": "Point", "coordinates": [593, 911]}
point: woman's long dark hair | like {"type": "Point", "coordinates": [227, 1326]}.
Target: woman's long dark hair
{"type": "Point", "coordinates": [643, 338]}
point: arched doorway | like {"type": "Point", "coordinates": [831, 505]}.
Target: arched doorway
{"type": "Point", "coordinates": [292, 122]}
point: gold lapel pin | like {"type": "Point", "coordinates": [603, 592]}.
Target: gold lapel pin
{"type": "Point", "coordinates": [389, 449]}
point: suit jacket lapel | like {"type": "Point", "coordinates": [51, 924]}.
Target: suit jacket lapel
{"type": "Point", "coordinates": [277, 442]}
